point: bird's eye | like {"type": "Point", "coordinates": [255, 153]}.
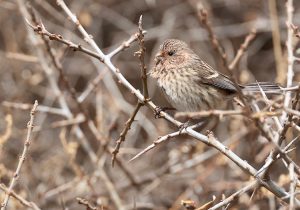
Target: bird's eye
{"type": "Point", "coordinates": [172, 52]}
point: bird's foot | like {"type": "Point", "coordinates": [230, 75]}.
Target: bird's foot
{"type": "Point", "coordinates": [184, 126]}
{"type": "Point", "coordinates": [158, 110]}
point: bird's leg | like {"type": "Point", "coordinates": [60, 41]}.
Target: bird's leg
{"type": "Point", "coordinates": [158, 110]}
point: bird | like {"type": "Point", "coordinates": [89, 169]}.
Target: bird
{"type": "Point", "coordinates": [191, 85]}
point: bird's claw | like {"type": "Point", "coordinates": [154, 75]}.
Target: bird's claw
{"type": "Point", "coordinates": [158, 110]}
{"type": "Point", "coordinates": [184, 126]}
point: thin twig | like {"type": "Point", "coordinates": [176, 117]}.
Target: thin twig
{"type": "Point", "coordinates": [222, 113]}
{"type": "Point", "coordinates": [40, 29]}
{"type": "Point", "coordinates": [124, 132]}
{"type": "Point", "coordinates": [213, 112]}
{"type": "Point", "coordinates": [249, 38]}
{"type": "Point", "coordinates": [92, 86]}
{"type": "Point", "coordinates": [235, 195]}
{"type": "Point", "coordinates": [141, 55]}
{"type": "Point", "coordinates": [163, 139]}
{"type": "Point", "coordinates": [124, 45]}
{"type": "Point", "coordinates": [40, 108]}
{"type": "Point", "coordinates": [155, 143]}
{"type": "Point", "coordinates": [22, 157]}
{"type": "Point", "coordinates": [203, 17]}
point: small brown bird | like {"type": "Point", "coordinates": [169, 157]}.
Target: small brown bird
{"type": "Point", "coordinates": [190, 84]}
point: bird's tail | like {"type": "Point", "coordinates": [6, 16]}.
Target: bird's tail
{"type": "Point", "coordinates": [266, 87]}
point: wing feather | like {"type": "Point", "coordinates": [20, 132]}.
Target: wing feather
{"type": "Point", "coordinates": [210, 76]}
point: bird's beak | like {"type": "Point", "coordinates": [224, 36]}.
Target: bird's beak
{"type": "Point", "coordinates": [158, 58]}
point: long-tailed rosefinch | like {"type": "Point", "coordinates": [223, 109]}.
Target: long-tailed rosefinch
{"type": "Point", "coordinates": [190, 84]}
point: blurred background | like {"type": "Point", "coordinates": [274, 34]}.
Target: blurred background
{"type": "Point", "coordinates": [58, 169]}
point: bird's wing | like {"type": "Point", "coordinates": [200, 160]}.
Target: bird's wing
{"type": "Point", "coordinates": [212, 77]}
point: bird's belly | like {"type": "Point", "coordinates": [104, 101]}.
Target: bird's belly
{"type": "Point", "coordinates": [191, 97]}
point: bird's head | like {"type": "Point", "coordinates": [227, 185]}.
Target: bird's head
{"type": "Point", "coordinates": [172, 54]}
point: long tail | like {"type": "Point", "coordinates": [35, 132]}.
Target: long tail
{"type": "Point", "coordinates": [267, 87]}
